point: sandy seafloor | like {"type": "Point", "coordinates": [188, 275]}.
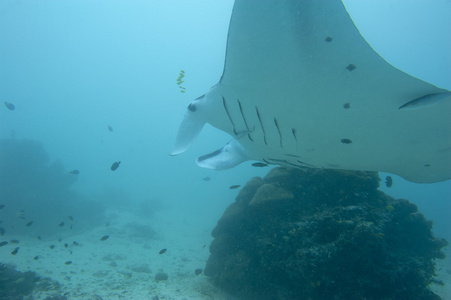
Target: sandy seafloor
{"type": "Point", "coordinates": [124, 266]}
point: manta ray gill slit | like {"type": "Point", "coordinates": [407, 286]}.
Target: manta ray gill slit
{"type": "Point", "coordinates": [228, 115]}
{"type": "Point", "coordinates": [278, 130]}
{"type": "Point", "coordinates": [261, 125]}
{"type": "Point", "coordinates": [244, 119]}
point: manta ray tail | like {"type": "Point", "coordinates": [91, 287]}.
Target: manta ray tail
{"type": "Point", "coordinates": [229, 156]}
{"type": "Point", "coordinates": [189, 130]}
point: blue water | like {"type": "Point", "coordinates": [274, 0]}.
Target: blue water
{"type": "Point", "coordinates": [73, 68]}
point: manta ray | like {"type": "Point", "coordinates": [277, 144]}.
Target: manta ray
{"type": "Point", "coordinates": [301, 87]}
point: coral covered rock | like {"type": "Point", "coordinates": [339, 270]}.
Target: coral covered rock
{"type": "Point", "coordinates": [322, 234]}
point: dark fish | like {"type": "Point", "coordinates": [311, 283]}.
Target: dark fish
{"type": "Point", "coordinates": [36, 257]}
{"type": "Point", "coordinates": [61, 224]}
{"type": "Point", "coordinates": [75, 243]}
{"type": "Point", "coordinates": [198, 271]}
{"type": "Point", "coordinates": [233, 187]}
{"type": "Point", "coordinates": [60, 239]}
{"type": "Point", "coordinates": [162, 251]}
{"type": "Point", "coordinates": [15, 251]}
{"type": "Point", "coordinates": [2, 231]}
{"type": "Point", "coordinates": [68, 262]}
{"type": "Point", "coordinates": [2, 206]}
{"type": "Point", "coordinates": [14, 241]}
{"type": "Point", "coordinates": [3, 243]}
{"type": "Point", "coordinates": [70, 218]}
{"type": "Point", "coordinates": [29, 223]}
{"type": "Point", "coordinates": [110, 129]}
{"type": "Point", "coordinates": [66, 245]}
{"type": "Point", "coordinates": [10, 106]}
{"type": "Point", "coordinates": [39, 237]}
{"type": "Point", "coordinates": [74, 172]}
{"type": "Point", "coordinates": [52, 246]}
{"type": "Point", "coordinates": [70, 226]}
{"type": "Point", "coordinates": [388, 181]}
{"type": "Point", "coordinates": [115, 165]}
{"type": "Point", "coordinates": [259, 165]}
{"type": "Point", "coordinates": [206, 178]}
{"type": "Point", "coordinates": [105, 237]}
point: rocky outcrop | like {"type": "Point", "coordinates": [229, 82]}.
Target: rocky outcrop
{"type": "Point", "coordinates": [322, 234]}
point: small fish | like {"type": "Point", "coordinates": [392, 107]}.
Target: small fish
{"type": "Point", "coordinates": [75, 243]}
{"type": "Point", "coordinates": [20, 214]}
{"type": "Point", "coordinates": [61, 224]}
{"type": "Point", "coordinates": [52, 246]}
{"type": "Point", "coordinates": [259, 165]}
{"type": "Point", "coordinates": [390, 208]}
{"type": "Point", "coordinates": [74, 172]}
{"type": "Point", "coordinates": [2, 206]}
{"type": "Point", "coordinates": [36, 257]}
{"type": "Point", "coordinates": [206, 178]}
{"type": "Point", "coordinates": [233, 187]}
{"type": "Point", "coordinates": [163, 251]}
{"type": "Point", "coordinates": [15, 251]}
{"type": "Point", "coordinates": [68, 262]}
{"type": "Point", "coordinates": [3, 243]}
{"type": "Point", "coordinates": [388, 181]}
{"type": "Point", "coordinates": [115, 165]}
{"type": "Point", "coordinates": [66, 245]}
{"type": "Point", "coordinates": [105, 237]}
{"type": "Point", "coordinates": [110, 129]}
{"type": "Point", "coordinates": [426, 101]}
{"type": "Point", "coordinates": [2, 231]}
{"type": "Point", "coordinates": [39, 237]}
{"type": "Point", "coordinates": [198, 271]}
{"type": "Point", "coordinates": [14, 241]}
{"type": "Point", "coordinates": [10, 106]}
{"type": "Point", "coordinates": [70, 218]}
{"type": "Point", "coordinates": [29, 223]}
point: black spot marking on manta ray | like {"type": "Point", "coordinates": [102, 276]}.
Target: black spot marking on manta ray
{"type": "Point", "coordinates": [192, 107]}
{"type": "Point", "coordinates": [329, 39]}
{"type": "Point", "coordinates": [346, 141]}
{"type": "Point", "coordinates": [351, 67]}
{"type": "Point", "coordinates": [347, 105]}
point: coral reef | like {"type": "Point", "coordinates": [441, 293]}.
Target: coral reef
{"type": "Point", "coordinates": [15, 284]}
{"type": "Point", "coordinates": [322, 234]}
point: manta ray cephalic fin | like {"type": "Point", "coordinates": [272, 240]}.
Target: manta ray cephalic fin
{"type": "Point", "coordinates": [189, 130]}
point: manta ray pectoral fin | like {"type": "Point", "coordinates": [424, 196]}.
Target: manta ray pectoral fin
{"type": "Point", "coordinates": [229, 156]}
{"type": "Point", "coordinates": [189, 129]}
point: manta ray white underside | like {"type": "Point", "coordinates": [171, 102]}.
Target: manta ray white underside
{"type": "Point", "coordinates": [301, 87]}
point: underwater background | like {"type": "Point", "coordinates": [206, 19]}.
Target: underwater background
{"type": "Point", "coordinates": [98, 82]}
